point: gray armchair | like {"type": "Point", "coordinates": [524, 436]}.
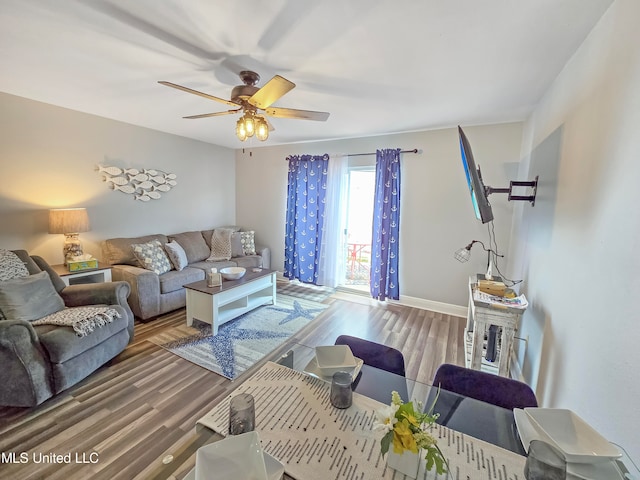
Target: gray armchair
{"type": "Point", "coordinates": [38, 362]}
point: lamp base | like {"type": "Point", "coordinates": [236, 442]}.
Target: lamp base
{"type": "Point", "coordinates": [72, 247]}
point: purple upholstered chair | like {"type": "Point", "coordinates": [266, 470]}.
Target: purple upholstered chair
{"type": "Point", "coordinates": [489, 388]}
{"type": "Point", "coordinates": [374, 354]}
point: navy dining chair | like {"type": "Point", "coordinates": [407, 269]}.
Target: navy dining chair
{"type": "Point", "coordinates": [375, 354]}
{"type": "Point", "coordinates": [501, 391]}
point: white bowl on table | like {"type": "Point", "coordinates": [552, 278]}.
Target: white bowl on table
{"type": "Point", "coordinates": [527, 432]}
{"type": "Point", "coordinates": [335, 358]}
{"type": "Point", "coordinates": [579, 442]}
{"type": "Point", "coordinates": [232, 273]}
{"type": "Point", "coordinates": [235, 457]}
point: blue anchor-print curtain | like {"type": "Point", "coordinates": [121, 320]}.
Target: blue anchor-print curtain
{"type": "Point", "coordinates": [386, 226]}
{"type": "Point", "coordinates": [306, 193]}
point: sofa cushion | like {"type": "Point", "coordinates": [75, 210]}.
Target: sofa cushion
{"type": "Point", "coordinates": [248, 242]}
{"type": "Point", "coordinates": [11, 266]}
{"type": "Point", "coordinates": [29, 298]}
{"type": "Point", "coordinates": [193, 244]}
{"type": "Point", "coordinates": [220, 245]}
{"type": "Point", "coordinates": [62, 343]}
{"type": "Point", "coordinates": [175, 280]}
{"type": "Point", "coordinates": [249, 261]}
{"type": "Point", "coordinates": [206, 234]}
{"type": "Point", "coordinates": [236, 245]}
{"type": "Point", "coordinates": [118, 251]}
{"type": "Point", "coordinates": [152, 257]}
{"type": "Point", "coordinates": [207, 266]}
{"type": "Point", "coordinates": [176, 254]}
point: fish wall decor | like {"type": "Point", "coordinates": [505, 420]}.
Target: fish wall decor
{"type": "Point", "coordinates": [144, 185]}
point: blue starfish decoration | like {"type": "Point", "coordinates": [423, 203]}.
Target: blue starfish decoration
{"type": "Point", "coordinates": [297, 312]}
{"type": "Point", "coordinates": [222, 344]}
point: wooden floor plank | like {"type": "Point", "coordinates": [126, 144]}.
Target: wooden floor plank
{"type": "Point", "coordinates": [143, 405]}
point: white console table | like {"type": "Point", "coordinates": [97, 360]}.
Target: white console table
{"type": "Point", "coordinates": [480, 317]}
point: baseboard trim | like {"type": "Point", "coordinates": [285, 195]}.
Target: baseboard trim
{"type": "Point", "coordinates": [408, 301]}
{"type": "Point", "coordinates": [424, 304]}
{"type": "Point", "coordinates": [345, 292]}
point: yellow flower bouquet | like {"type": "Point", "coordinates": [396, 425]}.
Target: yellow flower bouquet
{"type": "Point", "coordinates": [406, 428]}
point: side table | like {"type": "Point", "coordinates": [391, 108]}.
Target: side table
{"type": "Point", "coordinates": [480, 317]}
{"type": "Point", "coordinates": [94, 275]}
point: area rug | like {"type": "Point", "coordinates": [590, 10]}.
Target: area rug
{"type": "Point", "coordinates": [243, 341]}
{"type": "Point", "coordinates": [317, 293]}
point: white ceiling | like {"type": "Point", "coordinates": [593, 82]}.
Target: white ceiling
{"type": "Point", "coordinates": [378, 66]}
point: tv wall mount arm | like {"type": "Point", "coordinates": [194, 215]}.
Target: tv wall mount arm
{"type": "Point", "coordinates": [516, 183]}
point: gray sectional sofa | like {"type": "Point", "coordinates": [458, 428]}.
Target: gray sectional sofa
{"type": "Point", "coordinates": [153, 294]}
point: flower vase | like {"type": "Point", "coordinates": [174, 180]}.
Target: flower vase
{"type": "Point", "coordinates": [406, 462]}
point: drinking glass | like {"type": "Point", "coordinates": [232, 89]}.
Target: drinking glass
{"type": "Point", "coordinates": [242, 414]}
{"type": "Point", "coordinates": [544, 462]}
{"type": "Point", "coordinates": [341, 393]}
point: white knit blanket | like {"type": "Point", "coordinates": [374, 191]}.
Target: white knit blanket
{"type": "Point", "coordinates": [220, 245]}
{"type": "Point", "coordinates": [83, 320]}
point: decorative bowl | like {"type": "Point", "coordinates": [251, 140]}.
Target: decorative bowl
{"type": "Point", "coordinates": [232, 273]}
{"type": "Point", "coordinates": [237, 456]}
{"type": "Point", "coordinates": [579, 442]}
{"type": "Point", "coordinates": [335, 358]}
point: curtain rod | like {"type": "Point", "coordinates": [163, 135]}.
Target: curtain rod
{"type": "Point", "coordinates": [415, 150]}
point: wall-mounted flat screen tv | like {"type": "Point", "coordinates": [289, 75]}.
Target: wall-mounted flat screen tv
{"type": "Point", "coordinates": [479, 194]}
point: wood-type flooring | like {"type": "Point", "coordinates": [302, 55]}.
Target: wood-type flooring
{"type": "Point", "coordinates": [140, 408]}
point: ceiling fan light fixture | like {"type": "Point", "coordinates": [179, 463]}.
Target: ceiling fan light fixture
{"type": "Point", "coordinates": [248, 98]}
{"type": "Point", "coordinates": [262, 129]}
{"type": "Point", "coordinates": [249, 124]}
{"type": "Point", "coordinates": [241, 132]}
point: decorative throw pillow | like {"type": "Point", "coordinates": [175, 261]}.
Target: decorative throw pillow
{"type": "Point", "coordinates": [11, 266]}
{"type": "Point", "coordinates": [152, 257]}
{"type": "Point", "coordinates": [29, 298]}
{"type": "Point", "coordinates": [177, 255]}
{"type": "Point", "coordinates": [220, 245]}
{"type": "Point", "coordinates": [248, 242]}
{"type": "Point", "coordinates": [236, 245]}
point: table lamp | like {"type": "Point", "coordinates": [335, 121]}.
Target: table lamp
{"type": "Point", "coordinates": [463, 254]}
{"type": "Point", "coordinates": [70, 222]}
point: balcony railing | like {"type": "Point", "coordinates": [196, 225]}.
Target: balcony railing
{"type": "Point", "coordinates": [358, 263]}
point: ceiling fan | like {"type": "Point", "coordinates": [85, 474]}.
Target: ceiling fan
{"type": "Point", "coordinates": [248, 98]}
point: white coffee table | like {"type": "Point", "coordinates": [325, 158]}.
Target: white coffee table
{"type": "Point", "coordinates": [217, 305]}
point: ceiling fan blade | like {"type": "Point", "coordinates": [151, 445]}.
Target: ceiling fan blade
{"type": "Point", "coordinates": [293, 113]}
{"type": "Point", "coordinates": [270, 125]}
{"type": "Point", "coordinates": [195, 92]}
{"type": "Point", "coordinates": [270, 92]}
{"type": "Point", "coordinates": [216, 114]}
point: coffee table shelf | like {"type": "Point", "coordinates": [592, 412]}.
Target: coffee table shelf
{"type": "Point", "coordinates": [218, 305]}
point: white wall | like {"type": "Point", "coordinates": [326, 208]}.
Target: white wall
{"type": "Point", "coordinates": [48, 156]}
{"type": "Point", "coordinates": [436, 213]}
{"type": "Point", "coordinates": [578, 248]}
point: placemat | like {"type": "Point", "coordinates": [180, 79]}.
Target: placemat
{"type": "Point", "coordinates": [315, 441]}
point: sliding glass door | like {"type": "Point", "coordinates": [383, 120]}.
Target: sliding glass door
{"type": "Point", "coordinates": [359, 227]}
